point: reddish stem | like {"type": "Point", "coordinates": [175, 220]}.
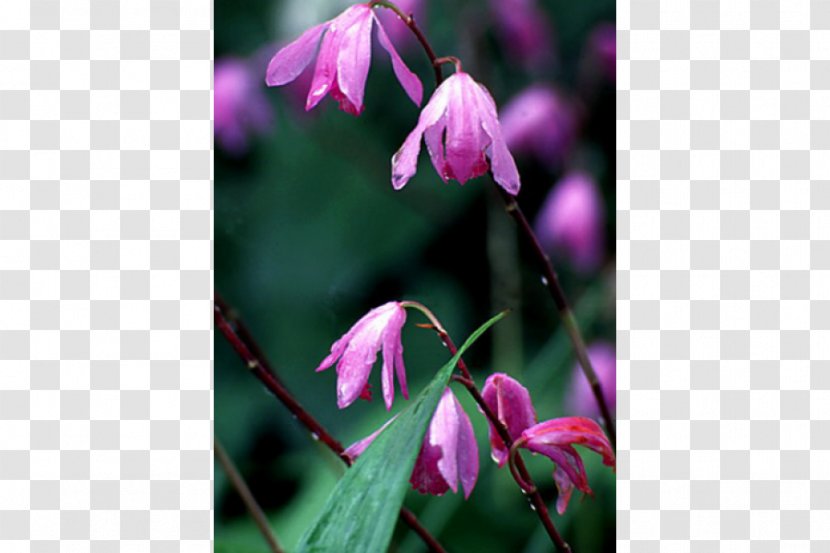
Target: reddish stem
{"type": "Point", "coordinates": [243, 343]}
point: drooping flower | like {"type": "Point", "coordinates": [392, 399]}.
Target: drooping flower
{"type": "Point", "coordinates": [581, 397]}
{"type": "Point", "coordinates": [449, 453]}
{"type": "Point", "coordinates": [571, 221]}
{"type": "Point", "coordinates": [357, 352]}
{"type": "Point", "coordinates": [510, 402]}
{"type": "Point", "coordinates": [525, 30]}
{"type": "Point", "coordinates": [461, 129]}
{"type": "Point", "coordinates": [539, 122]}
{"type": "Point", "coordinates": [555, 439]}
{"type": "Point", "coordinates": [240, 107]}
{"type": "Point", "coordinates": [343, 61]}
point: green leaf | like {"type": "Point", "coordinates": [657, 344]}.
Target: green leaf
{"type": "Point", "coordinates": [360, 513]}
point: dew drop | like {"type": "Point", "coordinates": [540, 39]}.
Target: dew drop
{"type": "Point", "coordinates": [314, 436]}
{"type": "Point", "coordinates": [532, 507]}
{"type": "Point", "coordinates": [544, 281]}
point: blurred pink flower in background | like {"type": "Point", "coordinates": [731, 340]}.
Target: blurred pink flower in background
{"type": "Point", "coordinates": [449, 453]}
{"type": "Point", "coordinates": [461, 129]}
{"type": "Point", "coordinates": [602, 45]}
{"type": "Point", "coordinates": [571, 221]}
{"type": "Point", "coordinates": [539, 122]}
{"type": "Point", "coordinates": [343, 60]}
{"type": "Point", "coordinates": [240, 107]}
{"type": "Point", "coordinates": [580, 399]}
{"type": "Point", "coordinates": [525, 30]}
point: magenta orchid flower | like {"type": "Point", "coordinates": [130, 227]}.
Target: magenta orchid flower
{"type": "Point", "coordinates": [510, 402]}
{"type": "Point", "coordinates": [571, 221]}
{"type": "Point", "coordinates": [461, 129]}
{"type": "Point", "coordinates": [240, 108]}
{"type": "Point", "coordinates": [343, 61]}
{"type": "Point", "coordinates": [555, 439]}
{"type": "Point", "coordinates": [581, 398]}
{"type": "Point", "coordinates": [357, 352]}
{"type": "Point", "coordinates": [449, 453]}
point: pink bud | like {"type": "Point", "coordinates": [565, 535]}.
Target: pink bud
{"type": "Point", "coordinates": [449, 453]}
{"type": "Point", "coordinates": [571, 221]}
{"type": "Point", "coordinates": [510, 402]}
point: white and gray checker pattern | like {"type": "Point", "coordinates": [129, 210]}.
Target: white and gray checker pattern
{"type": "Point", "coordinates": [105, 276]}
{"type": "Point", "coordinates": [724, 276]}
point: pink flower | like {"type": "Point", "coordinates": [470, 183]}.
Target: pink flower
{"type": "Point", "coordinates": [572, 220]}
{"type": "Point", "coordinates": [461, 129]}
{"type": "Point", "coordinates": [357, 351]}
{"type": "Point", "coordinates": [240, 107]}
{"type": "Point", "coordinates": [555, 439]}
{"type": "Point", "coordinates": [581, 397]}
{"type": "Point", "coordinates": [343, 62]}
{"type": "Point", "coordinates": [510, 402]}
{"type": "Point", "coordinates": [540, 122]}
{"type": "Point", "coordinates": [449, 453]}
{"type": "Point", "coordinates": [525, 30]}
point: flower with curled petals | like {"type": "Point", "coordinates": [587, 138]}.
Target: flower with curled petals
{"type": "Point", "coordinates": [461, 129]}
{"type": "Point", "coordinates": [449, 453]}
{"type": "Point", "coordinates": [343, 60]}
{"type": "Point", "coordinates": [510, 402]}
{"type": "Point", "coordinates": [357, 352]}
{"type": "Point", "coordinates": [555, 439]}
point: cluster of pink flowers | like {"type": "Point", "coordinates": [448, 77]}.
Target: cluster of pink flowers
{"type": "Point", "coordinates": [464, 139]}
{"type": "Point", "coordinates": [449, 454]}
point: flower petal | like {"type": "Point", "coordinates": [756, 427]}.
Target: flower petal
{"type": "Point", "coordinates": [443, 432]}
{"type": "Point", "coordinates": [565, 487]}
{"type": "Point", "coordinates": [355, 54]}
{"type": "Point", "coordinates": [465, 138]}
{"type": "Point", "coordinates": [409, 81]}
{"type": "Point", "coordinates": [502, 164]}
{"type": "Point", "coordinates": [289, 62]}
{"type": "Point", "coordinates": [325, 71]}
{"type": "Point", "coordinates": [405, 160]}
{"type": "Point", "coordinates": [510, 401]}
{"type": "Point", "coordinates": [571, 431]}
{"type": "Point", "coordinates": [356, 449]}
{"type": "Point", "coordinates": [434, 139]}
{"type": "Point", "coordinates": [467, 452]}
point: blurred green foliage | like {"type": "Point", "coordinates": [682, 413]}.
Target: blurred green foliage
{"type": "Point", "coordinates": [309, 235]}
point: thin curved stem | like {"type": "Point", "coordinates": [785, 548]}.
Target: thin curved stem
{"type": "Point", "coordinates": [551, 282]}
{"type": "Point", "coordinates": [248, 499]}
{"type": "Point", "coordinates": [518, 470]}
{"type": "Point", "coordinates": [409, 21]}
{"type": "Point", "coordinates": [243, 343]}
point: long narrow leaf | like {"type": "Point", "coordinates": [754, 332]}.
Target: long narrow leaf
{"type": "Point", "coordinates": [360, 513]}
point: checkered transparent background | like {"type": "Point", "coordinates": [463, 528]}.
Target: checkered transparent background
{"type": "Point", "coordinates": [105, 283]}
{"type": "Point", "coordinates": [724, 243]}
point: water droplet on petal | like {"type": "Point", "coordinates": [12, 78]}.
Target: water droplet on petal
{"type": "Point", "coordinates": [544, 281]}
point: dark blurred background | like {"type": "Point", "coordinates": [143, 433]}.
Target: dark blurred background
{"type": "Point", "coordinates": [309, 235]}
